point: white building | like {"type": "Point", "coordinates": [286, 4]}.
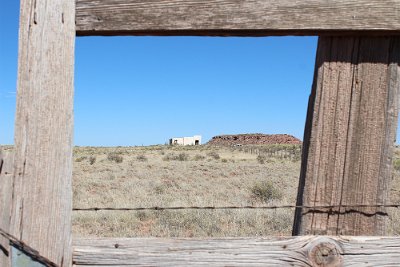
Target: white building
{"type": "Point", "coordinates": [186, 141]}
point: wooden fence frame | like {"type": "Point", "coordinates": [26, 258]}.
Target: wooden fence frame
{"type": "Point", "coordinates": [357, 69]}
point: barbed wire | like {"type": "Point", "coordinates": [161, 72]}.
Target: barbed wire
{"type": "Point", "coordinates": [235, 207]}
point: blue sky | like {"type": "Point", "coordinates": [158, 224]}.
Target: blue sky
{"type": "Point", "coordinates": [144, 90]}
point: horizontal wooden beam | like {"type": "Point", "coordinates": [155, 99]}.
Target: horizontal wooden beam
{"type": "Point", "coordinates": [237, 18]}
{"type": "Point", "coordinates": [269, 251]}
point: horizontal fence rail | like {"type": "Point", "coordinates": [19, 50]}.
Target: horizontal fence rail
{"type": "Point", "coordinates": [265, 251]}
{"type": "Point", "coordinates": [268, 251]}
{"type": "Point", "coordinates": [237, 18]}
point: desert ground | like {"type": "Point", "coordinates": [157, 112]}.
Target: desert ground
{"type": "Point", "coordinates": [178, 176]}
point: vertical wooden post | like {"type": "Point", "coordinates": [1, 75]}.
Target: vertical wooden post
{"type": "Point", "coordinates": [42, 194]}
{"type": "Point", "coordinates": [349, 136]}
{"type": "Point", "coordinates": [6, 165]}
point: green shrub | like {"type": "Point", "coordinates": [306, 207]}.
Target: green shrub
{"type": "Point", "coordinates": [159, 189]}
{"type": "Point", "coordinates": [213, 155]}
{"type": "Point", "coordinates": [396, 164]}
{"type": "Point", "coordinates": [261, 159]}
{"type": "Point", "coordinates": [183, 157]}
{"type": "Point", "coordinates": [224, 160]}
{"type": "Point", "coordinates": [115, 157]}
{"type": "Point", "coordinates": [180, 157]}
{"type": "Point", "coordinates": [265, 191]}
{"type": "Point", "coordinates": [199, 157]}
{"type": "Point", "coordinates": [168, 157]}
{"type": "Point", "coordinates": [80, 159]}
{"type": "Point", "coordinates": [142, 215]}
{"type": "Point", "coordinates": [92, 160]}
{"type": "Point", "coordinates": [141, 158]}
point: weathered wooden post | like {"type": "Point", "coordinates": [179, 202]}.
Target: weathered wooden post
{"type": "Point", "coordinates": [350, 132]}
{"type": "Point", "coordinates": [41, 203]}
{"type": "Point", "coordinates": [6, 165]}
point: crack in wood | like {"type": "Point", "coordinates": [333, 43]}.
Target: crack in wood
{"type": "Point", "coordinates": [337, 212]}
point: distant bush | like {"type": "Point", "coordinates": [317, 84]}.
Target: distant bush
{"type": "Point", "coordinates": [261, 159]}
{"type": "Point", "coordinates": [266, 191]}
{"type": "Point", "coordinates": [159, 189]}
{"type": "Point", "coordinates": [213, 155]}
{"type": "Point", "coordinates": [168, 157]}
{"type": "Point", "coordinates": [142, 215]}
{"type": "Point", "coordinates": [80, 159]}
{"type": "Point", "coordinates": [183, 157]}
{"type": "Point", "coordinates": [92, 160]}
{"type": "Point", "coordinates": [198, 157]}
{"type": "Point", "coordinates": [278, 151]}
{"type": "Point", "coordinates": [224, 160]}
{"type": "Point", "coordinates": [180, 157]}
{"type": "Point", "coordinates": [141, 158]}
{"type": "Point", "coordinates": [396, 164]}
{"type": "Point", "coordinates": [115, 157]}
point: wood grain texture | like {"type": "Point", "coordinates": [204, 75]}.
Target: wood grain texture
{"type": "Point", "coordinates": [269, 251]}
{"type": "Point", "coordinates": [42, 193]}
{"type": "Point", "coordinates": [349, 136]}
{"type": "Point", "coordinates": [6, 166]}
{"type": "Point", "coordinates": [236, 18]}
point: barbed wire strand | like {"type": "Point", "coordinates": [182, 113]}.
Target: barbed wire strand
{"type": "Point", "coordinates": [234, 207]}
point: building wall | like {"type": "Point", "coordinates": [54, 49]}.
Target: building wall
{"type": "Point", "coordinates": [186, 141]}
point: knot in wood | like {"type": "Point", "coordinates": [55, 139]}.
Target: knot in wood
{"type": "Point", "coordinates": [326, 253]}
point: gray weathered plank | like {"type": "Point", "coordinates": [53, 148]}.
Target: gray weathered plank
{"type": "Point", "coordinates": [349, 136]}
{"type": "Point", "coordinates": [269, 251]}
{"type": "Point", "coordinates": [42, 202]}
{"type": "Point", "coordinates": [6, 166]}
{"type": "Point", "coordinates": [236, 18]}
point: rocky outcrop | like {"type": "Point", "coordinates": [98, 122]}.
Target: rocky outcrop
{"type": "Point", "coordinates": [253, 139]}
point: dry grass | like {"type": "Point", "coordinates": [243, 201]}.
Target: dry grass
{"type": "Point", "coordinates": [168, 176]}
{"type": "Point", "coordinates": [191, 176]}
